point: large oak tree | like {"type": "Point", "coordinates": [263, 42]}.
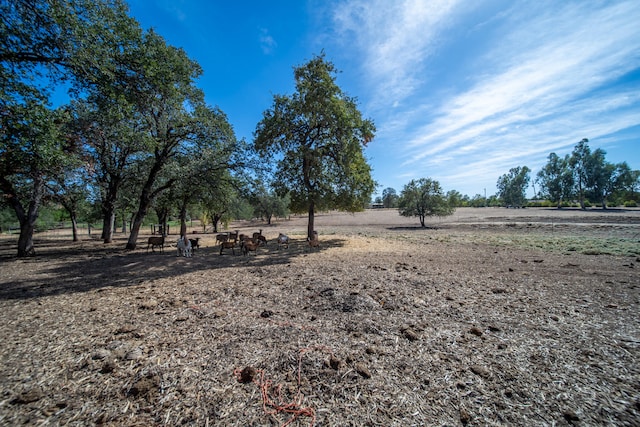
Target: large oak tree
{"type": "Point", "coordinates": [317, 136]}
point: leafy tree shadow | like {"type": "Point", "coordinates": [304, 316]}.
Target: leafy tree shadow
{"type": "Point", "coordinates": [91, 265]}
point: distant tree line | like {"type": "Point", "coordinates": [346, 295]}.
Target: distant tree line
{"type": "Point", "coordinates": [582, 177]}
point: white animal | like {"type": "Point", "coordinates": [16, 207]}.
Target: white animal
{"type": "Point", "coordinates": [184, 247]}
{"type": "Point", "coordinates": [283, 240]}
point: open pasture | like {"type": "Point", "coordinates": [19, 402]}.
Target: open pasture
{"type": "Point", "coordinates": [491, 317]}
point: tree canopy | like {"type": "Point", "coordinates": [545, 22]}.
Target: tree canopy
{"type": "Point", "coordinates": [512, 186]}
{"type": "Point", "coordinates": [389, 198]}
{"type": "Point", "coordinates": [317, 134]}
{"type": "Point", "coordinates": [556, 179]}
{"type": "Point", "coordinates": [586, 174]}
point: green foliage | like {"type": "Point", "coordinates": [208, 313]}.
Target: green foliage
{"type": "Point", "coordinates": [477, 201]}
{"type": "Point", "coordinates": [268, 204]}
{"type": "Point", "coordinates": [556, 179]}
{"type": "Point", "coordinates": [512, 186]}
{"type": "Point", "coordinates": [456, 199]}
{"type": "Point", "coordinates": [630, 204]}
{"type": "Point", "coordinates": [423, 198]}
{"type": "Point", "coordinates": [389, 198]}
{"type": "Point", "coordinates": [8, 219]}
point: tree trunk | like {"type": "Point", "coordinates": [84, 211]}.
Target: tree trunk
{"type": "Point", "coordinates": [311, 223]}
{"type": "Point", "coordinates": [146, 197]}
{"type": "Point", "coordinates": [28, 219]}
{"type": "Point", "coordinates": [143, 206]}
{"type": "Point", "coordinates": [581, 197]}
{"type": "Point", "coordinates": [74, 226]}
{"type": "Point", "coordinates": [108, 220]}
{"type": "Point", "coordinates": [422, 221]}
{"type": "Point", "coordinates": [163, 220]}
{"type": "Point", "coordinates": [71, 210]}
{"type": "Point", "coordinates": [25, 241]}
{"type": "Point", "coordinates": [183, 219]}
{"type": "Point", "coordinates": [215, 218]}
{"type": "Point", "coordinates": [135, 229]}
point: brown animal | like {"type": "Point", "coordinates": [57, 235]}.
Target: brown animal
{"type": "Point", "coordinates": [313, 242]}
{"type": "Point", "coordinates": [228, 245]}
{"type": "Point", "coordinates": [195, 243]}
{"type": "Point", "coordinates": [250, 245]}
{"type": "Point", "coordinates": [156, 241]}
{"type": "Point", "coordinates": [223, 237]}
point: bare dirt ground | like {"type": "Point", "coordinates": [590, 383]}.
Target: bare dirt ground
{"type": "Point", "coordinates": [490, 317]}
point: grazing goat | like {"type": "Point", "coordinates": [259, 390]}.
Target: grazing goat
{"type": "Point", "coordinates": [313, 242]}
{"type": "Point", "coordinates": [233, 236]}
{"type": "Point", "coordinates": [250, 245]}
{"type": "Point", "coordinates": [228, 245]}
{"type": "Point", "coordinates": [184, 247]}
{"type": "Point", "coordinates": [283, 240]}
{"type": "Point", "coordinates": [156, 241]}
{"type": "Point", "coordinates": [195, 243]}
{"type": "Point", "coordinates": [258, 237]}
{"type": "Point", "coordinates": [223, 237]}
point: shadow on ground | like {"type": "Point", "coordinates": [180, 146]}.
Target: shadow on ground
{"type": "Point", "coordinates": [66, 267]}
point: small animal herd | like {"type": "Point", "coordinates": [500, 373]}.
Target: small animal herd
{"type": "Point", "coordinates": [232, 240]}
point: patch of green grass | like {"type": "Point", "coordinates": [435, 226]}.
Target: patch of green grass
{"type": "Point", "coordinates": [581, 244]}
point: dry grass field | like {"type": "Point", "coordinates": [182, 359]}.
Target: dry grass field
{"type": "Point", "coordinates": [489, 317]}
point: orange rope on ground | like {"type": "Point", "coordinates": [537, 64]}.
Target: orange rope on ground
{"type": "Point", "coordinates": [272, 396]}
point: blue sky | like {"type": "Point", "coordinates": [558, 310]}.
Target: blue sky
{"type": "Point", "coordinates": [460, 91]}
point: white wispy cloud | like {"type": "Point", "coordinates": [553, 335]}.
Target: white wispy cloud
{"type": "Point", "coordinates": [267, 42]}
{"type": "Point", "coordinates": [528, 92]}
{"type": "Point", "coordinates": [532, 84]}
{"type": "Point", "coordinates": [395, 38]}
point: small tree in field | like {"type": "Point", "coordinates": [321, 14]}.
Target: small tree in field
{"type": "Point", "coordinates": [422, 198]}
{"type": "Point", "coordinates": [318, 135]}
